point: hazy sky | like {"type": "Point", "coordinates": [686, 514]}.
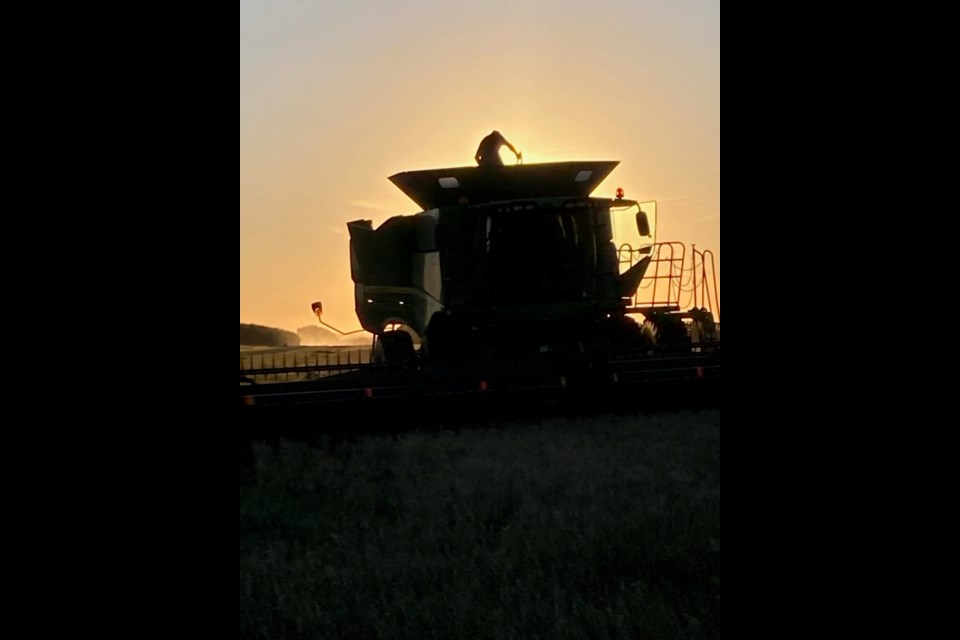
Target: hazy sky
{"type": "Point", "coordinates": [337, 95]}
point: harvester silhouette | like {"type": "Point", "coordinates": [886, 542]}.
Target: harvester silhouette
{"type": "Point", "coordinates": [518, 261]}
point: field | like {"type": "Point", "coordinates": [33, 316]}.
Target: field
{"type": "Point", "coordinates": [607, 527]}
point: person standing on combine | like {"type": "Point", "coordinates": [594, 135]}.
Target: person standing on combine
{"type": "Point", "coordinates": [488, 153]}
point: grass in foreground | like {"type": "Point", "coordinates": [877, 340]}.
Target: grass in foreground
{"type": "Point", "coordinates": [601, 528]}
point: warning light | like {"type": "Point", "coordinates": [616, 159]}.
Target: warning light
{"type": "Point", "coordinates": [620, 193]}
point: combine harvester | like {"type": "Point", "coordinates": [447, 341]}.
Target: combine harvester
{"type": "Point", "coordinates": [514, 285]}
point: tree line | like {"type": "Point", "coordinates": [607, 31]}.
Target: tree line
{"type": "Point", "coordinates": [256, 335]}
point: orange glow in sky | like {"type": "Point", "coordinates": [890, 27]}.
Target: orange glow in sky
{"type": "Point", "coordinates": [335, 97]}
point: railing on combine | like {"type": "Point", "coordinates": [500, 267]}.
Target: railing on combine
{"type": "Point", "coordinates": [670, 284]}
{"type": "Point", "coordinates": [663, 282]}
{"type": "Point", "coordinates": [705, 266]}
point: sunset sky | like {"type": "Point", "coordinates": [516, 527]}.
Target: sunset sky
{"type": "Point", "coordinates": [337, 95]}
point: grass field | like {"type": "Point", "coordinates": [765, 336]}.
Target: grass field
{"type": "Point", "coordinates": [600, 528]}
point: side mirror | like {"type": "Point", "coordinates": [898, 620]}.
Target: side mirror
{"type": "Point", "coordinates": [317, 308]}
{"type": "Point", "coordinates": [643, 224]}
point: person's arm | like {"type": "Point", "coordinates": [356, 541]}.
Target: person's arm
{"type": "Point", "coordinates": [512, 148]}
{"type": "Point", "coordinates": [477, 155]}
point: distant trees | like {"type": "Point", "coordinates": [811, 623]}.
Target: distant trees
{"type": "Point", "coordinates": [259, 336]}
{"type": "Point", "coordinates": [255, 335]}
